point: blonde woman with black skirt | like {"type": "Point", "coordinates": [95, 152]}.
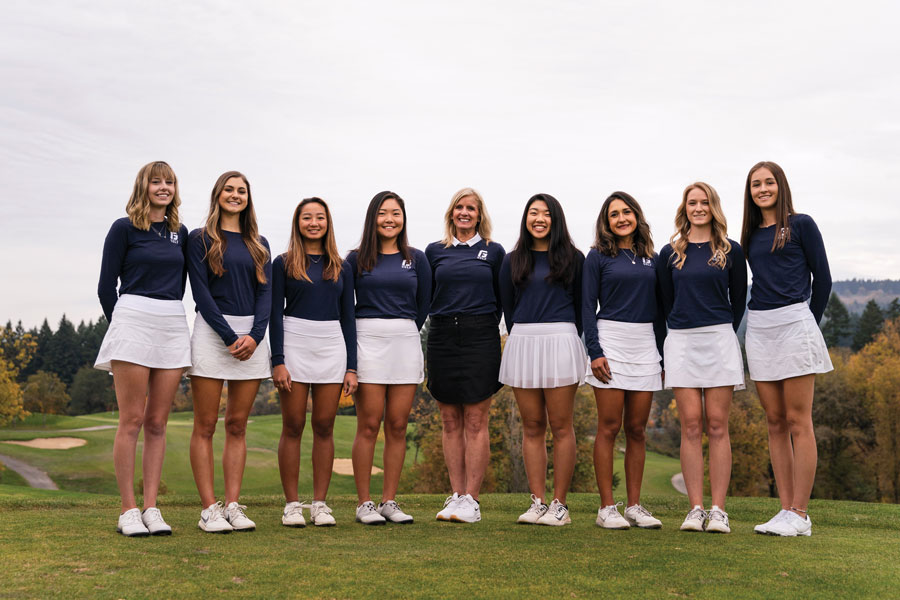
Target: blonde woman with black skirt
{"type": "Point", "coordinates": [464, 346]}
{"type": "Point", "coordinates": [313, 335]}
{"type": "Point", "coordinates": [624, 339]}
{"type": "Point", "coordinates": [147, 346]}
{"type": "Point", "coordinates": [544, 360]}
{"type": "Point", "coordinates": [393, 292]}
{"type": "Point", "coordinates": [231, 270]}
{"type": "Point", "coordinates": [703, 282]}
{"type": "Point", "coordinates": [785, 348]}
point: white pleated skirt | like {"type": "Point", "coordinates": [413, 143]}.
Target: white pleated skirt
{"type": "Point", "coordinates": [543, 355]}
{"type": "Point", "coordinates": [211, 358]}
{"type": "Point", "coordinates": [704, 357]}
{"type": "Point", "coordinates": [389, 351]}
{"type": "Point", "coordinates": [785, 342]}
{"type": "Point", "coordinates": [148, 332]}
{"type": "Point", "coordinates": [630, 350]}
{"type": "Point", "coordinates": [314, 351]}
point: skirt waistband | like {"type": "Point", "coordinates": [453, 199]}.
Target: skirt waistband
{"type": "Point", "coordinates": [464, 319]}
{"type": "Point", "coordinates": [151, 305]}
{"type": "Point", "coordinates": [778, 317]}
{"type": "Point", "coordinates": [543, 328]}
{"type": "Point", "coordinates": [310, 328]}
{"type": "Point", "coordinates": [386, 327]}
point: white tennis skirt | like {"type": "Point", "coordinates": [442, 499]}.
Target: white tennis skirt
{"type": "Point", "coordinates": [543, 355]}
{"type": "Point", "coordinates": [314, 351]}
{"type": "Point", "coordinates": [212, 359]}
{"type": "Point", "coordinates": [630, 350]}
{"type": "Point", "coordinates": [704, 357]}
{"type": "Point", "coordinates": [389, 351]}
{"type": "Point", "coordinates": [148, 332]}
{"type": "Point", "coordinates": [785, 342]}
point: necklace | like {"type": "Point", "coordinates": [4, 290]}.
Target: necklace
{"type": "Point", "coordinates": [633, 256]}
{"type": "Point", "coordinates": [159, 232]}
{"type": "Point", "coordinates": [315, 260]}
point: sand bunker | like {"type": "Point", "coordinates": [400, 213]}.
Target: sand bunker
{"type": "Point", "coordinates": [57, 443]}
{"type": "Point", "coordinates": [344, 466]}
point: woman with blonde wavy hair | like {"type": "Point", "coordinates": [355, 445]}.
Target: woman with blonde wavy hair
{"type": "Point", "coordinates": [231, 271]}
{"type": "Point", "coordinates": [313, 337]}
{"type": "Point", "coordinates": [147, 345]}
{"type": "Point", "coordinates": [463, 354]}
{"type": "Point", "coordinates": [703, 284]}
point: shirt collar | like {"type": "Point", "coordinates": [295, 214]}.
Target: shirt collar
{"type": "Point", "coordinates": [475, 239]}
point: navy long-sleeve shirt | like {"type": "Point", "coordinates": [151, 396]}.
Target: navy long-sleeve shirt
{"type": "Point", "coordinates": [626, 291]}
{"type": "Point", "coordinates": [698, 294]}
{"type": "Point", "coordinates": [782, 278]}
{"type": "Point", "coordinates": [314, 300]}
{"type": "Point", "coordinates": [465, 278]}
{"type": "Point", "coordinates": [394, 289]}
{"type": "Point", "coordinates": [144, 263]}
{"type": "Point", "coordinates": [237, 292]}
{"type": "Point", "coordinates": [539, 301]}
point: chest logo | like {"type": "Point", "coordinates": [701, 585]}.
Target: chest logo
{"type": "Point", "coordinates": [173, 237]}
{"type": "Point", "coordinates": [482, 255]}
{"type": "Point", "coordinates": [406, 265]}
{"type": "Point", "coordinates": [647, 262]}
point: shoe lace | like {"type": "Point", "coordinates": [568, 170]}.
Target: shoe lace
{"type": "Point", "coordinates": [449, 500]}
{"type": "Point", "coordinates": [367, 507]}
{"type": "Point", "coordinates": [316, 508]}
{"type": "Point", "coordinates": [293, 509]}
{"type": "Point", "coordinates": [391, 504]}
{"type": "Point", "coordinates": [718, 515]}
{"type": "Point", "coordinates": [611, 509]}
{"type": "Point", "coordinates": [238, 509]}
{"type": "Point", "coordinates": [153, 515]}
{"type": "Point", "coordinates": [536, 505]}
{"type": "Point", "coordinates": [641, 510]}
{"type": "Point", "coordinates": [558, 509]}
{"type": "Point", "coordinates": [699, 513]}
{"type": "Point", "coordinates": [132, 517]}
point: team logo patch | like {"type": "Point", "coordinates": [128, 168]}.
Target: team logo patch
{"type": "Point", "coordinates": [648, 262]}
{"type": "Point", "coordinates": [482, 255]}
{"type": "Point", "coordinates": [406, 265]}
{"type": "Point", "coordinates": [173, 237]}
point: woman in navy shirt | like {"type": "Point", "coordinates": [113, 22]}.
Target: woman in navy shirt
{"type": "Point", "coordinates": [147, 345]}
{"type": "Point", "coordinates": [624, 340]}
{"type": "Point", "coordinates": [544, 360]}
{"type": "Point", "coordinates": [464, 346]}
{"type": "Point", "coordinates": [393, 292]}
{"type": "Point", "coordinates": [703, 282]}
{"type": "Point", "coordinates": [231, 271]}
{"type": "Point", "coordinates": [785, 348]}
{"type": "Point", "coordinates": [313, 337]}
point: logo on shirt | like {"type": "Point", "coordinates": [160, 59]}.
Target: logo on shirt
{"type": "Point", "coordinates": [173, 237]}
{"type": "Point", "coordinates": [406, 264]}
{"type": "Point", "coordinates": [482, 255]}
{"type": "Point", "coordinates": [648, 262]}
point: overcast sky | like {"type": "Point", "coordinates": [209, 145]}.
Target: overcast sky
{"type": "Point", "coordinates": [345, 99]}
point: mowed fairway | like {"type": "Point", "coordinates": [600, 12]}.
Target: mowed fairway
{"type": "Point", "coordinates": [63, 543]}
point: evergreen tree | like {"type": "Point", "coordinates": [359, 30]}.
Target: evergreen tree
{"type": "Point", "coordinates": [893, 310]}
{"type": "Point", "coordinates": [836, 325]}
{"type": "Point", "coordinates": [91, 392]}
{"type": "Point", "coordinates": [42, 336]}
{"type": "Point", "coordinates": [870, 322]}
{"type": "Point", "coordinates": [63, 354]}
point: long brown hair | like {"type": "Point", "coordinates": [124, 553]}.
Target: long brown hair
{"type": "Point", "coordinates": [719, 246]}
{"type": "Point", "coordinates": [606, 242]}
{"type": "Point", "coordinates": [138, 206]}
{"type": "Point", "coordinates": [368, 245]}
{"type": "Point", "coordinates": [784, 208]}
{"type": "Point", "coordinates": [214, 241]}
{"type": "Point", "coordinates": [482, 228]}
{"type": "Point", "coordinates": [295, 259]}
{"type": "Point", "coordinates": [560, 254]}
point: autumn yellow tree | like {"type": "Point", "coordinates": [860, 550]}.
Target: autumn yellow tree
{"type": "Point", "coordinates": [16, 350]}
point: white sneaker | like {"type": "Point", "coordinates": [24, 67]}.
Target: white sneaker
{"type": "Point", "coordinates": [639, 516]}
{"type": "Point", "coordinates": [131, 525]}
{"type": "Point", "coordinates": [320, 514]}
{"type": "Point", "coordinates": [234, 512]}
{"type": "Point", "coordinates": [534, 512]}
{"type": "Point", "coordinates": [390, 511]}
{"type": "Point", "coordinates": [791, 525]}
{"type": "Point", "coordinates": [292, 516]}
{"type": "Point", "coordinates": [212, 519]}
{"type": "Point", "coordinates": [367, 514]}
{"type": "Point", "coordinates": [608, 517]}
{"type": "Point", "coordinates": [449, 506]}
{"type": "Point", "coordinates": [557, 515]}
{"type": "Point", "coordinates": [718, 521]}
{"type": "Point", "coordinates": [764, 527]}
{"type": "Point", "coordinates": [694, 520]}
{"type": "Point", "coordinates": [154, 523]}
{"type": "Point", "coordinates": [467, 510]}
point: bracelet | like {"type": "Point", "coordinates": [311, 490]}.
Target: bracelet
{"type": "Point", "coordinates": [351, 371]}
{"type": "Point", "coordinates": [794, 508]}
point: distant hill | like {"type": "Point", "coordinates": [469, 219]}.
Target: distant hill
{"type": "Point", "coordinates": [855, 293]}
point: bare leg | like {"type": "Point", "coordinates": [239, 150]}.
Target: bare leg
{"type": "Point", "coordinates": [534, 438]}
{"type": "Point", "coordinates": [370, 401]}
{"type": "Point", "coordinates": [718, 404]}
{"type": "Point", "coordinates": [478, 445]}
{"type": "Point", "coordinates": [163, 384]}
{"type": "Point", "coordinates": [206, 393]}
{"type": "Point", "coordinates": [781, 453]}
{"type": "Point", "coordinates": [325, 398]}
{"type": "Point", "coordinates": [454, 444]}
{"type": "Point", "coordinates": [690, 413]}
{"type": "Point", "coordinates": [396, 418]}
{"type": "Point", "coordinates": [609, 420]}
{"type": "Point", "coordinates": [561, 414]}
{"type": "Point", "coordinates": [637, 411]}
{"type": "Point", "coordinates": [241, 395]}
{"type": "Point", "coordinates": [131, 382]}
{"type": "Point", "coordinates": [798, 396]}
{"type": "Point", "coordinates": [293, 420]}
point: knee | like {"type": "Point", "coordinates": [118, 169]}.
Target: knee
{"type": "Point", "coordinates": [717, 429]}
{"type": "Point", "coordinates": [777, 424]}
{"type": "Point", "coordinates": [368, 430]}
{"type": "Point", "coordinates": [691, 430]}
{"type": "Point", "coordinates": [323, 428]}
{"type": "Point", "coordinates": [395, 428]}
{"type": "Point", "coordinates": [236, 427]}
{"type": "Point", "coordinates": [131, 425]}
{"type": "Point", "coordinates": [799, 424]}
{"type": "Point", "coordinates": [293, 428]}
{"type": "Point", "coordinates": [635, 432]}
{"type": "Point", "coordinates": [534, 428]}
{"type": "Point", "coordinates": [608, 429]}
{"type": "Point", "coordinates": [205, 428]}
{"type": "Point", "coordinates": [475, 424]}
{"type": "Point", "coordinates": [154, 428]}
{"type": "Point", "coordinates": [562, 429]}
{"type": "Point", "coordinates": [453, 424]}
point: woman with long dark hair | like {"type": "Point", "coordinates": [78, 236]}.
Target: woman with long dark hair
{"type": "Point", "coordinates": [703, 281]}
{"type": "Point", "coordinates": [393, 292]}
{"type": "Point", "coordinates": [231, 271]}
{"type": "Point", "coordinates": [313, 336]}
{"type": "Point", "coordinates": [544, 360]}
{"type": "Point", "coordinates": [624, 340]}
{"type": "Point", "coordinates": [785, 348]}
{"type": "Point", "coordinates": [147, 346]}
{"type": "Point", "coordinates": [464, 346]}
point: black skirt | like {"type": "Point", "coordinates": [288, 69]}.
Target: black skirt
{"type": "Point", "coordinates": [463, 358]}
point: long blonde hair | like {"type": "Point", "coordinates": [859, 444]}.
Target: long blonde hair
{"type": "Point", "coordinates": [213, 240]}
{"type": "Point", "coordinates": [138, 207]}
{"type": "Point", "coordinates": [295, 259]}
{"type": "Point", "coordinates": [482, 228]}
{"type": "Point", "coordinates": [719, 246]}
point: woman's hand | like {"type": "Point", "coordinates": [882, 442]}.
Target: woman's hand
{"type": "Point", "coordinates": [350, 383]}
{"type": "Point", "coordinates": [244, 348]}
{"type": "Point", "coordinates": [600, 369]}
{"type": "Point", "coordinates": [281, 378]}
